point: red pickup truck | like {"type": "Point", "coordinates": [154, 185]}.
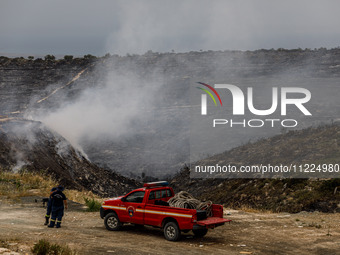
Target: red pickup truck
{"type": "Point", "coordinates": [148, 206]}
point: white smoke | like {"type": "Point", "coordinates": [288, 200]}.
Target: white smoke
{"type": "Point", "coordinates": [20, 160]}
{"type": "Point", "coordinates": [103, 111]}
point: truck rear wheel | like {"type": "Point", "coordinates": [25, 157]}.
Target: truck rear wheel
{"type": "Point", "coordinates": [200, 232]}
{"type": "Point", "coordinates": [171, 231]}
{"type": "Point", "coordinates": [112, 222]}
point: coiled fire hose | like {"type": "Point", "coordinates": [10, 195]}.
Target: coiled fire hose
{"type": "Point", "coordinates": [185, 200]}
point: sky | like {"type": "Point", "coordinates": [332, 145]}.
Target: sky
{"type": "Point", "coordinates": [79, 27]}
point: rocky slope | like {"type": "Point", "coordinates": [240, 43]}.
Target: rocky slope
{"type": "Point", "coordinates": [31, 146]}
{"type": "Point", "coordinates": [159, 145]}
{"type": "Point", "coordinates": [313, 145]}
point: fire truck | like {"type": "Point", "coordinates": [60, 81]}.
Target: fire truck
{"type": "Point", "coordinates": [148, 206]}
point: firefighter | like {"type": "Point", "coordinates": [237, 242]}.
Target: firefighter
{"type": "Point", "coordinates": [49, 206]}
{"type": "Point", "coordinates": [59, 203]}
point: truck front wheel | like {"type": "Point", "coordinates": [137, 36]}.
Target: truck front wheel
{"type": "Point", "coordinates": [171, 231]}
{"type": "Point", "coordinates": [112, 222]}
{"type": "Point", "coordinates": [200, 232]}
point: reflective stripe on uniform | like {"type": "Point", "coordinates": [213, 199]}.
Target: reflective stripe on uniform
{"type": "Point", "coordinates": [47, 216]}
{"type": "Point", "coordinates": [52, 220]}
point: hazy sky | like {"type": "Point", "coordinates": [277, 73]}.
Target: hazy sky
{"type": "Point", "coordinates": [82, 26]}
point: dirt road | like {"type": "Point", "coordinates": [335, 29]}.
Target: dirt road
{"type": "Point", "coordinates": [21, 225]}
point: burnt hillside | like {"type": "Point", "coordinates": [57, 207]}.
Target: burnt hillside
{"type": "Point", "coordinates": [313, 145]}
{"type": "Point", "coordinates": [31, 146]}
{"type": "Point", "coordinates": [158, 141]}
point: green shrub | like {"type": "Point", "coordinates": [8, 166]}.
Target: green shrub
{"type": "Point", "coordinates": [41, 248]}
{"type": "Point", "coordinates": [49, 57]}
{"type": "Point", "coordinates": [92, 204]}
{"type": "Point", "coordinates": [44, 247]}
{"type": "Point", "coordinates": [68, 57]}
{"type": "Point", "coordinates": [89, 56]}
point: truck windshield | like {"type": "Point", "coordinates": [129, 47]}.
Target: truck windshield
{"type": "Point", "coordinates": [135, 197]}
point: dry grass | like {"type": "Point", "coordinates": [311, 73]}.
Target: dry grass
{"type": "Point", "coordinates": [16, 185]}
{"type": "Point", "coordinates": [13, 186]}
{"type": "Point", "coordinates": [80, 196]}
{"type": "Point", "coordinates": [45, 247]}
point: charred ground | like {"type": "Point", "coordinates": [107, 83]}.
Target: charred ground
{"type": "Point", "coordinates": [319, 145]}
{"type": "Point", "coordinates": [27, 86]}
{"type": "Point", "coordinates": [165, 143]}
{"type": "Point", "coordinates": [31, 146]}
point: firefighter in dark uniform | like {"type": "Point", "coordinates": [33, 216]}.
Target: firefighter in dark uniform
{"type": "Point", "coordinates": [49, 206]}
{"type": "Point", "coordinates": [59, 203]}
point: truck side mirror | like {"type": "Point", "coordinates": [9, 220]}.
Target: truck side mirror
{"type": "Point", "coordinates": [123, 199]}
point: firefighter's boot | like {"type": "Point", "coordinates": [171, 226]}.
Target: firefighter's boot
{"type": "Point", "coordinates": [52, 222]}
{"type": "Point", "coordinates": [47, 219]}
{"type": "Point", "coordinates": [58, 224]}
